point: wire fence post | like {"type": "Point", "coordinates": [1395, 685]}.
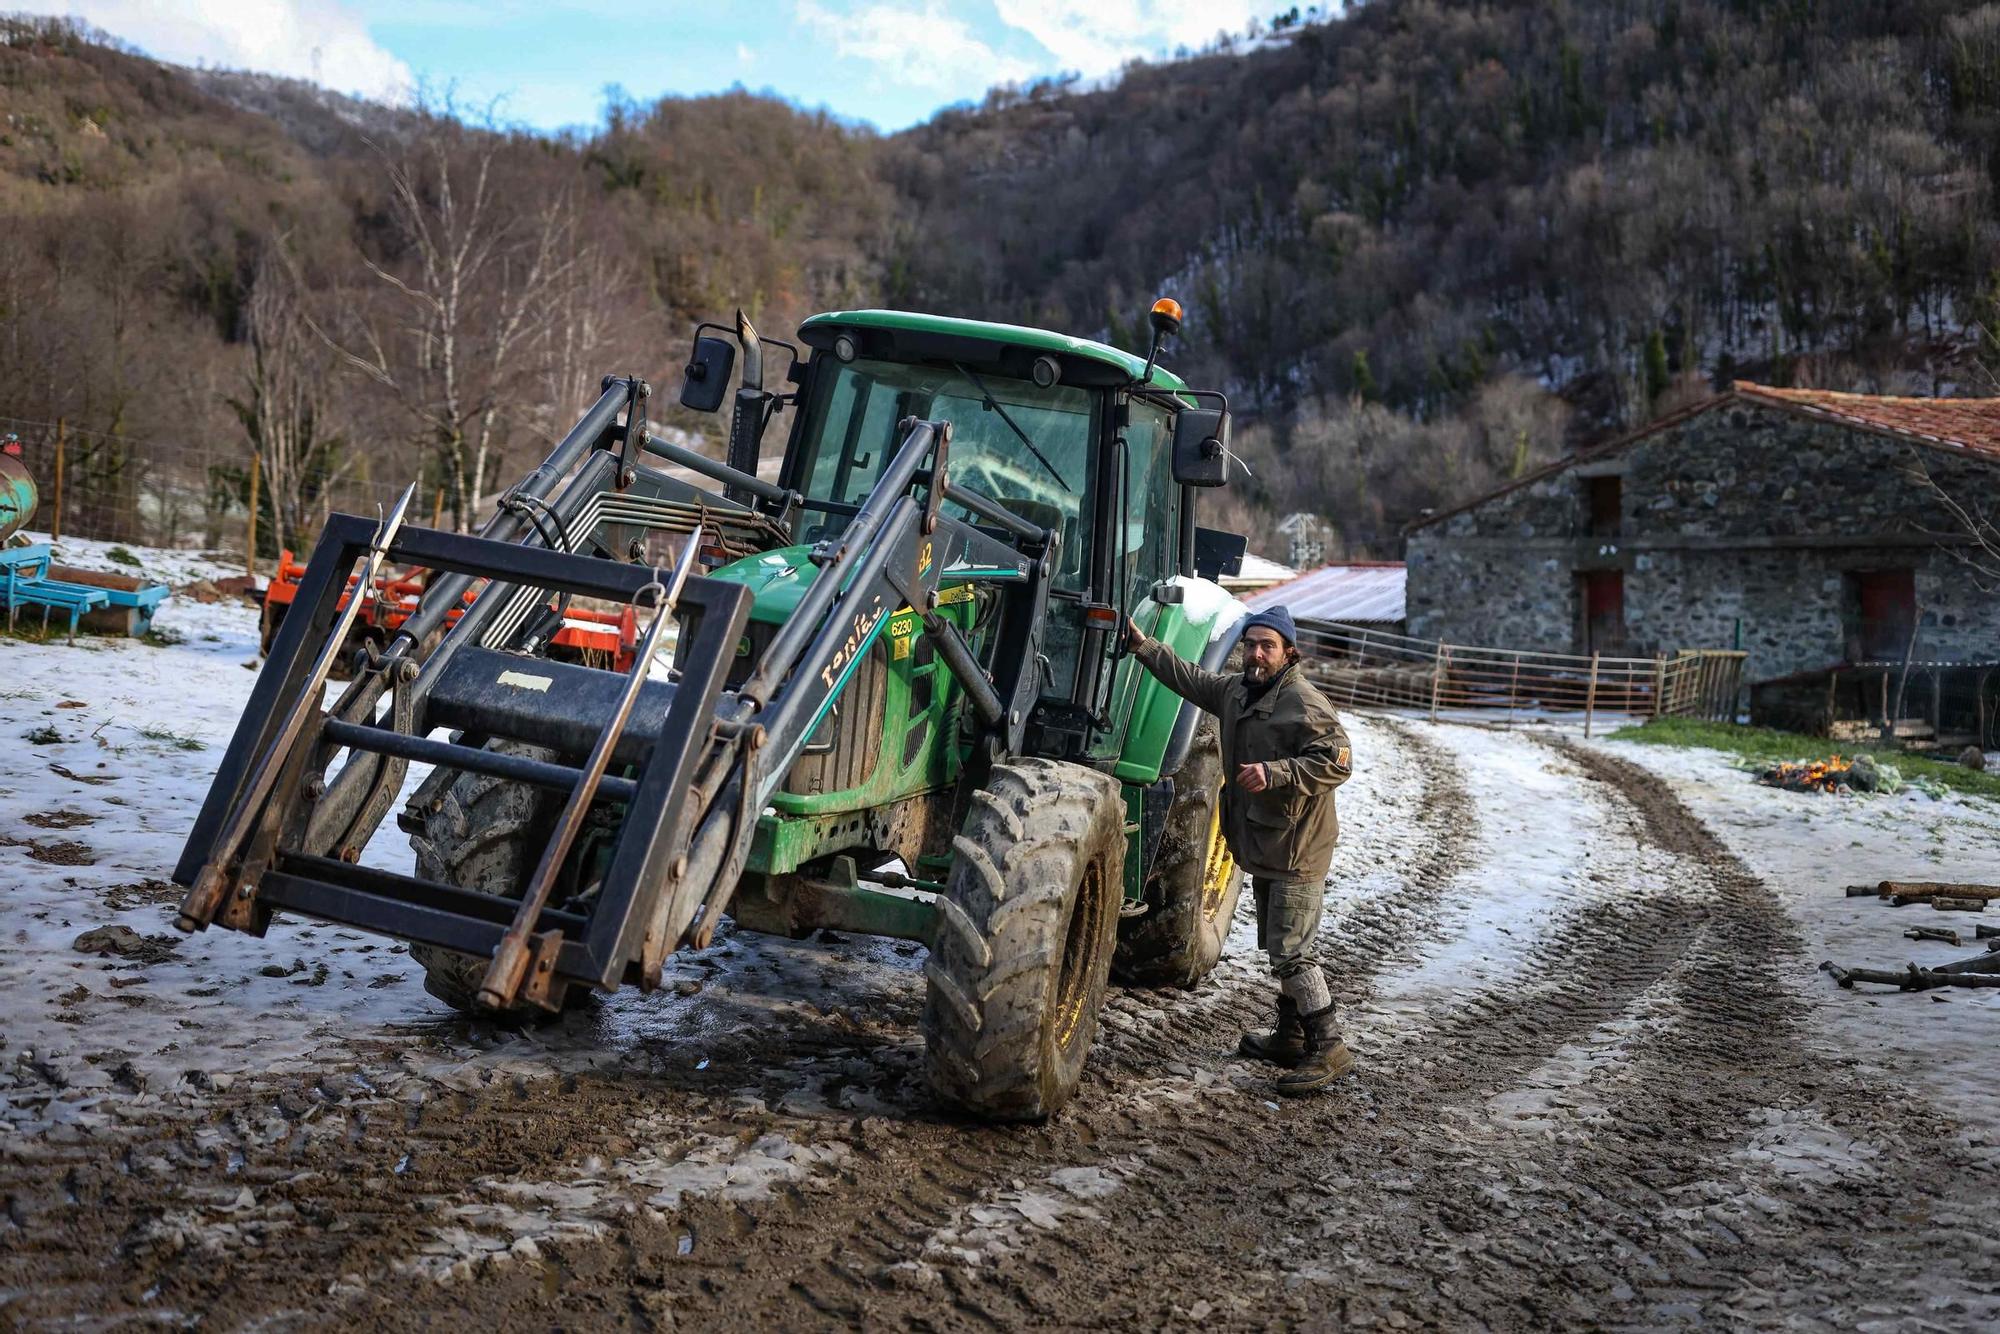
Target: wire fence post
{"type": "Point", "coordinates": [1590, 698]}
{"type": "Point", "coordinates": [1437, 675]}
{"type": "Point", "coordinates": [250, 536]}
{"type": "Point", "coordinates": [1513, 690]}
{"type": "Point", "coordinates": [55, 519]}
{"type": "Point", "coordinates": [1659, 685]}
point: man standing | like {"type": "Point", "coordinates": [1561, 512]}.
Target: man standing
{"type": "Point", "coordinates": [1283, 754]}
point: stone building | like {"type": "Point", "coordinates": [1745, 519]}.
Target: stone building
{"type": "Point", "coordinates": [1794, 524]}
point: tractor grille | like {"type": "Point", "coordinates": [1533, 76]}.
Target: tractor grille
{"type": "Point", "coordinates": [841, 753]}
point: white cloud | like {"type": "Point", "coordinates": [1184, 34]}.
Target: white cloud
{"type": "Point", "coordinates": [744, 55]}
{"type": "Point", "coordinates": [304, 39]}
{"type": "Point", "coordinates": [921, 45]}
{"type": "Point", "coordinates": [1097, 36]}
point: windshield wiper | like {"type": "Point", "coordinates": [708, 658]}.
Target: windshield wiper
{"type": "Point", "coordinates": [994, 404]}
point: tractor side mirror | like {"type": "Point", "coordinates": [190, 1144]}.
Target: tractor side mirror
{"type": "Point", "coordinates": [1201, 447]}
{"type": "Point", "coordinates": [706, 382]}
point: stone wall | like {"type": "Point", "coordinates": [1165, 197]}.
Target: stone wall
{"type": "Point", "coordinates": [1738, 528]}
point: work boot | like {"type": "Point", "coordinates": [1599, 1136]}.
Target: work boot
{"type": "Point", "coordinates": [1326, 1057]}
{"type": "Point", "coordinates": [1284, 1044]}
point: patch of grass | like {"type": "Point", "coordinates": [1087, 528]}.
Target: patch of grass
{"type": "Point", "coordinates": [29, 630]}
{"type": "Point", "coordinates": [178, 740]}
{"type": "Point", "coordinates": [44, 736]}
{"type": "Point", "coordinates": [121, 556]}
{"type": "Point", "coordinates": [1767, 743]}
{"type": "Point", "coordinates": [160, 638]}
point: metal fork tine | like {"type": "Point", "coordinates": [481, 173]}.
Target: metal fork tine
{"type": "Point", "coordinates": [212, 885]}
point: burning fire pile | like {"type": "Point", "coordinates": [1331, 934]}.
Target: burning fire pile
{"type": "Point", "coordinates": [1832, 774]}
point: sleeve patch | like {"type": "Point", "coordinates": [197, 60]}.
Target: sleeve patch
{"type": "Point", "coordinates": [1342, 758]}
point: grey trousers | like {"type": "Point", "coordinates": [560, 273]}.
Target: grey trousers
{"type": "Point", "coordinates": [1288, 916]}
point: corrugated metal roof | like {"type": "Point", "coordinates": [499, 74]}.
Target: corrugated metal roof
{"type": "Point", "coordinates": [1367, 593]}
{"type": "Point", "coordinates": [1257, 572]}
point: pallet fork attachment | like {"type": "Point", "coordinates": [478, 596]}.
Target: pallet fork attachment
{"type": "Point", "coordinates": [270, 776]}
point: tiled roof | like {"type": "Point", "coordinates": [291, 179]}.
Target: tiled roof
{"type": "Point", "coordinates": [1965, 425]}
{"type": "Point", "coordinates": [1371, 592]}
{"type": "Point", "coordinates": [1962, 423]}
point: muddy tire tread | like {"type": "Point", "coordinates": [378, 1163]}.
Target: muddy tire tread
{"type": "Point", "coordinates": [1028, 841]}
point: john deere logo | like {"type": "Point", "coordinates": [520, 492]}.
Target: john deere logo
{"type": "Point", "coordinates": [864, 626]}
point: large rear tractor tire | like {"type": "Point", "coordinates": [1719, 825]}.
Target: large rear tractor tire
{"type": "Point", "coordinates": [1025, 935]}
{"type": "Point", "coordinates": [487, 835]}
{"type": "Point", "coordinates": [1192, 891]}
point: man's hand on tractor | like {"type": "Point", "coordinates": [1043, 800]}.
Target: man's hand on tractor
{"type": "Point", "coordinates": [1134, 636]}
{"type": "Point", "coordinates": [1251, 777]}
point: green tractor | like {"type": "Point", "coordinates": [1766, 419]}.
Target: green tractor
{"type": "Point", "coordinates": [896, 698]}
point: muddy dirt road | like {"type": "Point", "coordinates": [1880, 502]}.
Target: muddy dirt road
{"type": "Point", "coordinates": [1595, 1091]}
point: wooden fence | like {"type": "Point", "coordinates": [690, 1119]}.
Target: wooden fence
{"type": "Point", "coordinates": [1360, 667]}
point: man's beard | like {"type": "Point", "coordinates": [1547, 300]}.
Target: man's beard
{"type": "Point", "coordinates": [1257, 673]}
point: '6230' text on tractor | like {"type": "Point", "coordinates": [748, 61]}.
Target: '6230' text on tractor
{"type": "Point", "coordinates": [883, 692]}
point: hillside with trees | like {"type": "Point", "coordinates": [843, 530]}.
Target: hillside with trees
{"type": "Point", "coordinates": [1424, 247]}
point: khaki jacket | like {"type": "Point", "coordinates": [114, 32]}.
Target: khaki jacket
{"type": "Point", "coordinates": [1288, 830]}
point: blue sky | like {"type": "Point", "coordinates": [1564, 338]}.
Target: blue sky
{"type": "Point", "coordinates": [888, 62]}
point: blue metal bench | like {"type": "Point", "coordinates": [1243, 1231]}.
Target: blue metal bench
{"type": "Point", "coordinates": [26, 584]}
{"type": "Point", "coordinates": [133, 601]}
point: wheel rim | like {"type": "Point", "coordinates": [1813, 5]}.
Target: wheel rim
{"type": "Point", "coordinates": [1079, 954]}
{"type": "Point", "coordinates": [1220, 870]}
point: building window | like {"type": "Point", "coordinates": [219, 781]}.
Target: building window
{"type": "Point", "coordinates": [1879, 612]}
{"type": "Point", "coordinates": [1600, 611]}
{"type": "Point", "coordinates": [1605, 495]}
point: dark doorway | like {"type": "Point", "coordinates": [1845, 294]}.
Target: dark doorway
{"type": "Point", "coordinates": [1601, 604]}
{"type": "Point", "coordinates": [1881, 612]}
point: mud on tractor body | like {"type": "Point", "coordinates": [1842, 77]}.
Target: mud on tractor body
{"type": "Point", "coordinates": [886, 692]}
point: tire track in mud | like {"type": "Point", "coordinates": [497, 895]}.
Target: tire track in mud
{"type": "Point", "coordinates": [1635, 1218]}
{"type": "Point", "coordinates": [1386, 1124]}
{"type": "Point", "coordinates": [1398, 1198]}
{"type": "Point", "coordinates": [1736, 1073]}
{"type": "Point", "coordinates": [912, 1180]}
{"type": "Point", "coordinates": [1403, 1195]}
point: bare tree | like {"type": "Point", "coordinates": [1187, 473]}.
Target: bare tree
{"type": "Point", "coordinates": [461, 342]}
{"type": "Point", "coordinates": [285, 408]}
{"type": "Point", "coordinates": [580, 332]}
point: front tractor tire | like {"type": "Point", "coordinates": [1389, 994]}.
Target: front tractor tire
{"type": "Point", "coordinates": [1025, 934]}
{"type": "Point", "coordinates": [486, 835]}
{"type": "Point", "coordinates": [1191, 894]}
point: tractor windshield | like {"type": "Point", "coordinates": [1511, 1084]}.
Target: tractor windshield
{"type": "Point", "coordinates": [1022, 445]}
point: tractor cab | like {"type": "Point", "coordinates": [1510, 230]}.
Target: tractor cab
{"type": "Point", "coordinates": [1075, 437]}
